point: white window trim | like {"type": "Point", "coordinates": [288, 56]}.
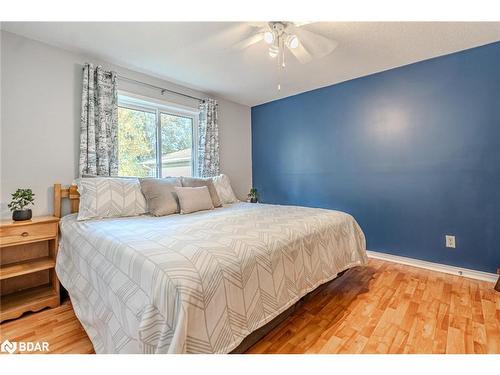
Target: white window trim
{"type": "Point", "coordinates": [151, 105]}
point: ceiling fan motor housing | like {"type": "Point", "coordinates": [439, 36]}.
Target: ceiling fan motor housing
{"type": "Point", "coordinates": [278, 27]}
{"type": "Point", "coordinates": [278, 30]}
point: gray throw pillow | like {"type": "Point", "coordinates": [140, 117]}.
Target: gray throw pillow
{"type": "Point", "coordinates": [192, 199]}
{"type": "Point", "coordinates": [198, 182]}
{"type": "Point", "coordinates": [224, 189]}
{"type": "Point", "coordinates": [160, 195]}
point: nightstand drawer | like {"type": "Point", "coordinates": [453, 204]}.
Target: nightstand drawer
{"type": "Point", "coordinates": [16, 234]}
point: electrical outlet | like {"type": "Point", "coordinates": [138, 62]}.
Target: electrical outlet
{"type": "Point", "coordinates": [450, 241]}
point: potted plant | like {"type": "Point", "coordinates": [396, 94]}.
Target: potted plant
{"type": "Point", "coordinates": [253, 196]}
{"type": "Point", "coordinates": [20, 199]}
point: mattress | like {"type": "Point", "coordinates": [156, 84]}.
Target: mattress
{"type": "Point", "coordinates": [202, 282]}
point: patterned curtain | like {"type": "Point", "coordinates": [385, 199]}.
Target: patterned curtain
{"type": "Point", "coordinates": [99, 123]}
{"type": "Point", "coordinates": [208, 148]}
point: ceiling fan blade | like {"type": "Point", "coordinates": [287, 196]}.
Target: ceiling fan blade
{"type": "Point", "coordinates": [302, 23]}
{"type": "Point", "coordinates": [247, 42]}
{"type": "Point", "coordinates": [301, 54]}
{"type": "Point", "coordinates": [316, 44]}
{"type": "Point", "coordinates": [259, 24]}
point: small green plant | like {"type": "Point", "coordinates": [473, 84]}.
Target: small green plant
{"type": "Point", "coordinates": [20, 199]}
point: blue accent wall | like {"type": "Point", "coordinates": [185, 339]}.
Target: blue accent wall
{"type": "Point", "coordinates": [413, 153]}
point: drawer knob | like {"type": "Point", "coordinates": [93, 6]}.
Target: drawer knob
{"type": "Point", "coordinates": [25, 234]}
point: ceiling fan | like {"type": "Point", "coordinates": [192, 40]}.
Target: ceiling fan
{"type": "Point", "coordinates": [281, 36]}
{"type": "Point", "coordinates": [304, 44]}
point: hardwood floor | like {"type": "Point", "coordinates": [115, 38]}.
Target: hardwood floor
{"type": "Point", "coordinates": [382, 308]}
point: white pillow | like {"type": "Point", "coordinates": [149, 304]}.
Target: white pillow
{"type": "Point", "coordinates": [102, 197]}
{"type": "Point", "coordinates": [224, 189]}
{"type": "Point", "coordinates": [192, 199]}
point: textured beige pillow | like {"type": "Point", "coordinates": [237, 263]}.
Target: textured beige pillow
{"type": "Point", "coordinates": [192, 199]}
{"type": "Point", "coordinates": [197, 182]}
{"type": "Point", "coordinates": [224, 189]}
{"type": "Point", "coordinates": [160, 195]}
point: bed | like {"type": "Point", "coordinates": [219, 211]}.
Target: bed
{"type": "Point", "coordinates": [202, 282]}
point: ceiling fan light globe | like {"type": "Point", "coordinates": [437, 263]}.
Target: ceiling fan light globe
{"type": "Point", "coordinates": [269, 37]}
{"type": "Point", "coordinates": [292, 41]}
{"type": "Point", "coordinates": [273, 51]}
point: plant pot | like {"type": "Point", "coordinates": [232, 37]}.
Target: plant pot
{"type": "Point", "coordinates": [20, 215]}
{"type": "Point", "coordinates": [253, 200]}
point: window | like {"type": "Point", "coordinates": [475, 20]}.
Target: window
{"type": "Point", "coordinates": [176, 145]}
{"type": "Point", "coordinates": [155, 140]}
{"type": "Point", "coordinates": [136, 142]}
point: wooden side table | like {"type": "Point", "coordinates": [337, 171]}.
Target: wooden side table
{"type": "Point", "coordinates": [28, 281]}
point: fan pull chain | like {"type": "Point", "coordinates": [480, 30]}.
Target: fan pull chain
{"type": "Point", "coordinates": [279, 74]}
{"type": "Point", "coordinates": [278, 63]}
{"type": "Point", "coordinates": [281, 64]}
{"type": "Point", "coordinates": [282, 54]}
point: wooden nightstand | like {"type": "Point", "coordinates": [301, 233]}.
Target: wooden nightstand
{"type": "Point", "coordinates": [28, 281]}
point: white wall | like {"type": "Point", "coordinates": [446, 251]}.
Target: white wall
{"type": "Point", "coordinates": [40, 120]}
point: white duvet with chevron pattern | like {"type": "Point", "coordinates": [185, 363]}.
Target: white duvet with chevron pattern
{"type": "Point", "coordinates": [202, 282]}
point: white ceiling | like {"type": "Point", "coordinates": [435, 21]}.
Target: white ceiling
{"type": "Point", "coordinates": [199, 54]}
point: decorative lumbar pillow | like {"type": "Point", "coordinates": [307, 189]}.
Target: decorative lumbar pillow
{"type": "Point", "coordinates": [224, 189]}
{"type": "Point", "coordinates": [198, 182]}
{"type": "Point", "coordinates": [160, 195]}
{"type": "Point", "coordinates": [102, 197]}
{"type": "Point", "coordinates": [192, 199]}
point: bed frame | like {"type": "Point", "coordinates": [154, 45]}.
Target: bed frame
{"type": "Point", "coordinates": [71, 193]}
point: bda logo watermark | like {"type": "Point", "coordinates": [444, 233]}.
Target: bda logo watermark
{"type": "Point", "coordinates": [24, 346]}
{"type": "Point", "coordinates": [8, 347]}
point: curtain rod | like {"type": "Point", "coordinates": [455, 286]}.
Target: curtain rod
{"type": "Point", "coordinates": [162, 89]}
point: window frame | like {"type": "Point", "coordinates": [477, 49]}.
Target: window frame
{"type": "Point", "coordinates": [146, 104]}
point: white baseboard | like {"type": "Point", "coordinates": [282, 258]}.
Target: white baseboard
{"type": "Point", "coordinates": [465, 272]}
